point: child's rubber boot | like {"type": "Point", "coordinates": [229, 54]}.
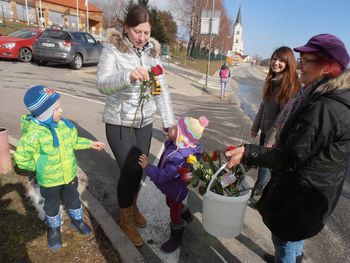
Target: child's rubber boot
{"type": "Point", "coordinates": [175, 240]}
{"type": "Point", "coordinates": [54, 240]}
{"type": "Point", "coordinates": [186, 214]}
{"type": "Point", "coordinates": [77, 221]}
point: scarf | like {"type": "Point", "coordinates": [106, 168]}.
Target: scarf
{"type": "Point", "coordinates": [290, 107]}
{"type": "Point", "coordinates": [52, 126]}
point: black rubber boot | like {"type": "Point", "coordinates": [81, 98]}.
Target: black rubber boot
{"type": "Point", "coordinates": [175, 239]}
{"type": "Point", "coordinates": [299, 259]}
{"type": "Point", "coordinates": [186, 215]}
{"type": "Point", "coordinates": [54, 239]}
{"type": "Point", "coordinates": [81, 227]}
{"type": "Point", "coordinates": [77, 221]}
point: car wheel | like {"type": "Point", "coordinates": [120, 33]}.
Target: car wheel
{"type": "Point", "coordinates": [41, 63]}
{"type": "Point", "coordinates": [77, 62]}
{"type": "Point", "coordinates": [25, 55]}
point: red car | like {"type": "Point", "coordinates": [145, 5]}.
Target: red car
{"type": "Point", "coordinates": [18, 45]}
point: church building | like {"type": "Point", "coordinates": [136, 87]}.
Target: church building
{"type": "Point", "coordinates": [237, 45]}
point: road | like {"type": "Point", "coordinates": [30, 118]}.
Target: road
{"type": "Point", "coordinates": [83, 104]}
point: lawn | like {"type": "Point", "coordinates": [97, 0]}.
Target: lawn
{"type": "Point", "coordinates": [199, 65]}
{"type": "Point", "coordinates": [9, 26]}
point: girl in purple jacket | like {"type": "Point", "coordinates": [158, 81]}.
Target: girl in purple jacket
{"type": "Point", "coordinates": [182, 141]}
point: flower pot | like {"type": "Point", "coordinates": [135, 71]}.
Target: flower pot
{"type": "Point", "coordinates": [223, 215]}
{"type": "Point", "coordinates": [5, 156]}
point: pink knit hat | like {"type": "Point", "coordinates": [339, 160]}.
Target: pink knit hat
{"type": "Point", "coordinates": [189, 131]}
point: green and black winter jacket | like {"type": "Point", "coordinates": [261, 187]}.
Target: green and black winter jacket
{"type": "Point", "coordinates": [35, 152]}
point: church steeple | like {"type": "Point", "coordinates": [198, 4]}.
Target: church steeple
{"type": "Point", "coordinates": [237, 45]}
{"type": "Point", "coordinates": [238, 19]}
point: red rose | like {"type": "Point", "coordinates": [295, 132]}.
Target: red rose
{"type": "Point", "coordinates": [230, 148]}
{"type": "Point", "coordinates": [215, 155]}
{"type": "Point", "coordinates": [185, 174]}
{"type": "Point", "coordinates": [157, 70]}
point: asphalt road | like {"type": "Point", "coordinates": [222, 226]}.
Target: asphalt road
{"type": "Point", "coordinates": [83, 104]}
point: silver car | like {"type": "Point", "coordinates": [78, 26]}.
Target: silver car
{"type": "Point", "coordinates": [66, 46]}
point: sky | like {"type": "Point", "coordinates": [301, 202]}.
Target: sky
{"type": "Point", "coordinates": [269, 24]}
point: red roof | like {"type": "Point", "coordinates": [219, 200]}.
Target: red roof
{"type": "Point", "coordinates": [73, 4]}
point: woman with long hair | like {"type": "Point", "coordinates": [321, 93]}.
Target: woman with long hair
{"type": "Point", "coordinates": [123, 72]}
{"type": "Point", "coordinates": [280, 85]}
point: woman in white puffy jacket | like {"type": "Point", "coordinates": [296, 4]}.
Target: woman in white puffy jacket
{"type": "Point", "coordinates": [123, 65]}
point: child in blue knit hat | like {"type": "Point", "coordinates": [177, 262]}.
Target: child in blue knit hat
{"type": "Point", "coordinates": [46, 147]}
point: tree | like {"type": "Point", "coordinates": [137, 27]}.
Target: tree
{"type": "Point", "coordinates": [164, 27]}
{"type": "Point", "coordinates": [127, 7]}
{"type": "Point", "coordinates": [144, 3]}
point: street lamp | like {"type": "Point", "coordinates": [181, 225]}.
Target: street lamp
{"type": "Point", "coordinates": [210, 37]}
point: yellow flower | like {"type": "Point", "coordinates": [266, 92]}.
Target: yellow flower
{"type": "Point", "coordinates": [191, 159]}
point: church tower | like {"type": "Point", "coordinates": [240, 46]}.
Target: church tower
{"type": "Point", "coordinates": [237, 45]}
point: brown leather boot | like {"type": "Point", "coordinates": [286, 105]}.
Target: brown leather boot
{"type": "Point", "coordinates": [140, 220]}
{"type": "Point", "coordinates": [127, 224]}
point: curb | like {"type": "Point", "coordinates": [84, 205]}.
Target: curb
{"type": "Point", "coordinates": [120, 242]}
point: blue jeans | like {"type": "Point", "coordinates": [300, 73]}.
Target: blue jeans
{"type": "Point", "coordinates": [223, 88]}
{"type": "Point", "coordinates": [263, 172]}
{"type": "Point", "coordinates": [287, 251]}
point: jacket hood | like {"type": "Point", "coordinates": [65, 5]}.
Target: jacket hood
{"type": "Point", "coordinates": [117, 39]}
{"type": "Point", "coordinates": [28, 125]}
{"type": "Point", "coordinates": [341, 82]}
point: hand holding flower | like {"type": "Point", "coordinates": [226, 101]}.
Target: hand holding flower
{"type": "Point", "coordinates": [140, 74]}
{"type": "Point", "coordinates": [235, 156]}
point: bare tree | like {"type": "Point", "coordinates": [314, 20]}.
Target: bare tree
{"type": "Point", "coordinates": [188, 15]}
{"type": "Point", "coordinates": [112, 11]}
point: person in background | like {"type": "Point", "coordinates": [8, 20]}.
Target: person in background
{"type": "Point", "coordinates": [224, 74]}
{"type": "Point", "coordinates": [310, 158]}
{"type": "Point", "coordinates": [183, 141]}
{"type": "Point", "coordinates": [280, 85]}
{"type": "Point", "coordinates": [46, 148]}
{"type": "Point", "coordinates": [123, 69]}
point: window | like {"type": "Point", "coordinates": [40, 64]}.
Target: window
{"type": "Point", "coordinates": [58, 34]}
{"type": "Point", "coordinates": [90, 39]}
{"type": "Point", "coordinates": [24, 33]}
{"type": "Point", "coordinates": [79, 37]}
{"type": "Point", "coordinates": [56, 18]}
{"type": "Point", "coordinates": [22, 14]}
{"type": "Point", "coordinates": [238, 32]}
{"type": "Point", "coordinates": [6, 6]}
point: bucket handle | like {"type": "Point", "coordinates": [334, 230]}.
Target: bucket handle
{"type": "Point", "coordinates": [218, 172]}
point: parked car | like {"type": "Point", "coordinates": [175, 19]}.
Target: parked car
{"type": "Point", "coordinates": [18, 45]}
{"type": "Point", "coordinates": [66, 46]}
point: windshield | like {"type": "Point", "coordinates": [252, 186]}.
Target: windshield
{"type": "Point", "coordinates": [58, 34]}
{"type": "Point", "coordinates": [24, 33]}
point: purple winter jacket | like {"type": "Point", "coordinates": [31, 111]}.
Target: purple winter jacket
{"type": "Point", "coordinates": [166, 176]}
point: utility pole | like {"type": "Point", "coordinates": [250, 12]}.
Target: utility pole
{"type": "Point", "coordinates": [78, 19]}
{"type": "Point", "coordinates": [27, 12]}
{"type": "Point", "coordinates": [210, 36]}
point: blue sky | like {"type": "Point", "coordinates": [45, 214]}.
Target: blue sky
{"type": "Point", "coordinates": [269, 24]}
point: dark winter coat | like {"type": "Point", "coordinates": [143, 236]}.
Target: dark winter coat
{"type": "Point", "coordinates": [268, 111]}
{"type": "Point", "coordinates": [166, 176]}
{"type": "Point", "coordinates": [309, 164]}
